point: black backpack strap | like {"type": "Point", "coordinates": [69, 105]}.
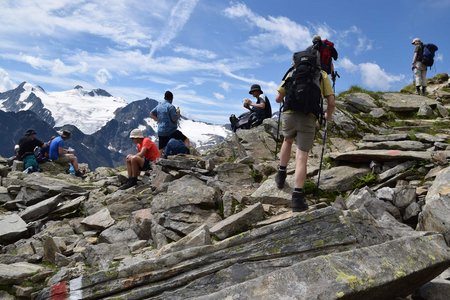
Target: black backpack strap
{"type": "Point", "coordinates": [287, 72]}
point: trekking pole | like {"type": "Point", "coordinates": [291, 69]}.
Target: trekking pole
{"type": "Point", "coordinates": [278, 131]}
{"type": "Point", "coordinates": [335, 74]}
{"type": "Point", "coordinates": [321, 155]}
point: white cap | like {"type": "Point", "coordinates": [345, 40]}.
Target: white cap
{"type": "Point", "coordinates": [415, 40]}
{"type": "Point", "coordinates": [136, 134]}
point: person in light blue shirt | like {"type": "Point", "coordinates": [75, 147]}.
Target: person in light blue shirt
{"type": "Point", "coordinates": [167, 117]}
{"type": "Point", "coordinates": [61, 155]}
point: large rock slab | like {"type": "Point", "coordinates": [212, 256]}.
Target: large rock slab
{"type": "Point", "coordinates": [393, 145]}
{"type": "Point", "coordinates": [406, 102]}
{"type": "Point", "coordinates": [12, 228]}
{"type": "Point", "coordinates": [203, 270]}
{"type": "Point", "coordinates": [436, 211]}
{"type": "Point", "coordinates": [340, 179]}
{"type": "Point", "coordinates": [356, 274]}
{"type": "Point", "coordinates": [187, 190]}
{"type": "Point", "coordinates": [381, 155]}
{"type": "Point", "coordinates": [15, 273]}
{"type": "Point", "coordinates": [41, 209]}
{"type": "Point", "coordinates": [361, 101]}
{"type": "Point", "coordinates": [238, 222]}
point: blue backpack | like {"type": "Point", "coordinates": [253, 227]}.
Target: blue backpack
{"type": "Point", "coordinates": [175, 147]}
{"type": "Point", "coordinates": [428, 54]}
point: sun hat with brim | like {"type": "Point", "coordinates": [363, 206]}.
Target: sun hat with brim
{"type": "Point", "coordinates": [415, 40]}
{"type": "Point", "coordinates": [30, 132]}
{"type": "Point", "coordinates": [136, 134]}
{"type": "Point", "coordinates": [316, 39]}
{"type": "Point", "coordinates": [66, 134]}
{"type": "Point", "coordinates": [255, 87]}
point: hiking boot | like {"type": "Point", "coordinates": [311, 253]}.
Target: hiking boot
{"type": "Point", "coordinates": [280, 178]}
{"type": "Point", "coordinates": [424, 90]}
{"type": "Point", "coordinates": [79, 174]}
{"type": "Point", "coordinates": [417, 90]}
{"type": "Point", "coordinates": [298, 202]}
{"type": "Point", "coordinates": [132, 181]}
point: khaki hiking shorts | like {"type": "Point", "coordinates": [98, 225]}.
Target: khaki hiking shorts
{"type": "Point", "coordinates": [301, 127]}
{"type": "Point", "coordinates": [62, 159]}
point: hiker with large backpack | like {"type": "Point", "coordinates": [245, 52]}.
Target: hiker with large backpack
{"type": "Point", "coordinates": [258, 111]}
{"type": "Point", "coordinates": [423, 57]}
{"type": "Point", "coordinates": [327, 54]}
{"type": "Point", "coordinates": [302, 89]}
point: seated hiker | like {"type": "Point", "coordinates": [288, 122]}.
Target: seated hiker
{"type": "Point", "coordinates": [147, 152]}
{"type": "Point", "coordinates": [27, 144]}
{"type": "Point", "coordinates": [175, 147]}
{"type": "Point", "coordinates": [61, 155]}
{"type": "Point", "coordinates": [259, 110]}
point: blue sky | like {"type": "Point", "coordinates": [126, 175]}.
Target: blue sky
{"type": "Point", "coordinates": [209, 52]}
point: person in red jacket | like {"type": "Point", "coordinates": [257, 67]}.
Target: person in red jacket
{"type": "Point", "coordinates": [147, 152]}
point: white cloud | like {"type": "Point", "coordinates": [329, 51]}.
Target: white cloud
{"type": "Point", "coordinates": [346, 64]}
{"type": "Point", "coordinates": [276, 31]}
{"type": "Point", "coordinates": [439, 57]}
{"type": "Point", "coordinates": [6, 83]}
{"type": "Point", "coordinates": [373, 76]}
{"type": "Point", "coordinates": [197, 53]}
{"type": "Point", "coordinates": [219, 96]}
{"type": "Point", "coordinates": [225, 86]}
{"type": "Point", "coordinates": [179, 15]}
{"type": "Point", "coordinates": [103, 76]}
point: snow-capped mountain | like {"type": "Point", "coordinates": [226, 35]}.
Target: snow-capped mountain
{"type": "Point", "coordinates": [87, 110]}
{"type": "Point", "coordinates": [100, 123]}
{"type": "Point", "coordinates": [202, 135]}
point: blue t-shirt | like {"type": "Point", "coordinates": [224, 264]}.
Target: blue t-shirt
{"type": "Point", "coordinates": [165, 112]}
{"type": "Point", "coordinates": [57, 142]}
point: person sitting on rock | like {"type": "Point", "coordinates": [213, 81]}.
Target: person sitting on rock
{"type": "Point", "coordinates": [61, 155]}
{"type": "Point", "coordinates": [147, 152]}
{"type": "Point", "coordinates": [27, 144]}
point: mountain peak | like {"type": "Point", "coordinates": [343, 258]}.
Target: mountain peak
{"type": "Point", "coordinates": [78, 87]}
{"type": "Point", "coordinates": [99, 92]}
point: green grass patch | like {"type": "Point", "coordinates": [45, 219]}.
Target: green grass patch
{"type": "Point", "coordinates": [358, 89]}
{"type": "Point", "coordinates": [364, 180]}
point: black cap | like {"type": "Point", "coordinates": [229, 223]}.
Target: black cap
{"type": "Point", "coordinates": [30, 132]}
{"type": "Point", "coordinates": [168, 95]}
{"type": "Point", "coordinates": [255, 87]}
{"type": "Point", "coordinates": [66, 134]}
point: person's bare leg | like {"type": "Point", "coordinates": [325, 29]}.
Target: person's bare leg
{"type": "Point", "coordinates": [301, 159]}
{"type": "Point", "coordinates": [137, 163]}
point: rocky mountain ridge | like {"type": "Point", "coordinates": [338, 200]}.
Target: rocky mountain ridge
{"type": "Point", "coordinates": [215, 226]}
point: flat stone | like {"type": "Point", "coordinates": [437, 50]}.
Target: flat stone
{"type": "Point", "coordinates": [238, 222]}
{"type": "Point", "coordinates": [100, 220]}
{"type": "Point", "coordinates": [12, 228]}
{"type": "Point", "coordinates": [15, 273]}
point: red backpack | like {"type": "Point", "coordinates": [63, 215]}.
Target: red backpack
{"type": "Point", "coordinates": [327, 52]}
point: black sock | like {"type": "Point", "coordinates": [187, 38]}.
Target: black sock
{"type": "Point", "coordinates": [282, 169]}
{"type": "Point", "coordinates": [298, 190]}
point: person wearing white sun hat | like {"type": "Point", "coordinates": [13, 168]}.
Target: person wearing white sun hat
{"type": "Point", "coordinates": [419, 69]}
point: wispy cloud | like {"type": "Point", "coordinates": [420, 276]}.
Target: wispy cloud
{"type": "Point", "coordinates": [5, 82]}
{"type": "Point", "coordinates": [103, 76]}
{"type": "Point", "coordinates": [179, 15]}
{"type": "Point", "coordinates": [275, 31]}
{"type": "Point", "coordinates": [219, 96]}
{"type": "Point", "coordinates": [354, 38]}
{"type": "Point", "coordinates": [198, 53]}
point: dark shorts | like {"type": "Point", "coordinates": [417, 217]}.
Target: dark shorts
{"type": "Point", "coordinates": [146, 165]}
{"type": "Point", "coordinates": [163, 140]}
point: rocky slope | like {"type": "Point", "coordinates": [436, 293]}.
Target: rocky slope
{"type": "Point", "coordinates": [215, 226]}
